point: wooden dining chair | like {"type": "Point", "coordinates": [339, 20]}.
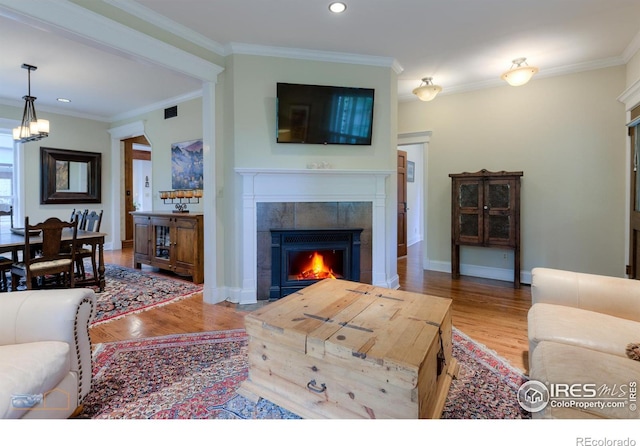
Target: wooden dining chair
{"type": "Point", "coordinates": [46, 260]}
{"type": "Point", "coordinates": [80, 216]}
{"type": "Point", "coordinates": [6, 262]}
{"type": "Point", "coordinates": [92, 223]}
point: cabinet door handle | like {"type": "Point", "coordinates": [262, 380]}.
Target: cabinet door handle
{"type": "Point", "coordinates": [486, 207]}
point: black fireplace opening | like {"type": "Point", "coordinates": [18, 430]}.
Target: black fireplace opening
{"type": "Point", "coordinates": [301, 257]}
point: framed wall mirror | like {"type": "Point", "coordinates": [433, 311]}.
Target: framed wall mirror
{"type": "Point", "coordinates": [70, 176]}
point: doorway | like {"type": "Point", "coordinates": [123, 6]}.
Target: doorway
{"type": "Point", "coordinates": [402, 203]}
{"type": "Point", "coordinates": [416, 144]}
{"type": "Point", "coordinates": [135, 149]}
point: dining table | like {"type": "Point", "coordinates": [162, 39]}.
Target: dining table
{"type": "Point", "coordinates": [13, 242]}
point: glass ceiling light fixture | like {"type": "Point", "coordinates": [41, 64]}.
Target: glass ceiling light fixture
{"type": "Point", "coordinates": [426, 91]}
{"type": "Point", "coordinates": [519, 75]}
{"type": "Point", "coordinates": [31, 128]}
{"type": "Point", "coordinates": [337, 7]}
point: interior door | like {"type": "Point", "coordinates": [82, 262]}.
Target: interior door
{"type": "Point", "coordinates": [129, 155]}
{"type": "Point", "coordinates": [402, 203]}
{"type": "Point", "coordinates": [633, 269]}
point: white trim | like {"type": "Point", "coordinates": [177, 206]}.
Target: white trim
{"type": "Point", "coordinates": [150, 16]}
{"type": "Point", "coordinates": [631, 96]}
{"type": "Point", "coordinates": [485, 272]}
{"type": "Point", "coordinates": [212, 291]}
{"type": "Point", "coordinates": [322, 56]}
{"type": "Point", "coordinates": [157, 106]}
{"type": "Point", "coordinates": [196, 38]}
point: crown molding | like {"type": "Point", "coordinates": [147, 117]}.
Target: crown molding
{"type": "Point", "coordinates": [157, 106]}
{"type": "Point", "coordinates": [316, 55]}
{"type": "Point", "coordinates": [183, 32]}
{"type": "Point", "coordinates": [631, 96]}
{"type": "Point", "coordinates": [175, 28]}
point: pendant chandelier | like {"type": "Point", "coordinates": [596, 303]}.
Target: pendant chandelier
{"type": "Point", "coordinates": [31, 128]}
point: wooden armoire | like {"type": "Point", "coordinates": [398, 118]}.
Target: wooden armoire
{"type": "Point", "coordinates": [485, 211]}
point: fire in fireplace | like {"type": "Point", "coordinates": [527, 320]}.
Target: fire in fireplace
{"type": "Point", "coordinates": [300, 257]}
{"type": "Point", "coordinates": [311, 265]}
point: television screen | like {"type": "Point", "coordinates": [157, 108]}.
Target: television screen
{"type": "Point", "coordinates": [319, 114]}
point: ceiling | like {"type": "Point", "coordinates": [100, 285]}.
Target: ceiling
{"type": "Point", "coordinates": [462, 44]}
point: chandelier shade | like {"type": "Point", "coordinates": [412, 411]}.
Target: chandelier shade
{"type": "Point", "coordinates": [31, 128]}
{"type": "Point", "coordinates": [427, 91]}
{"type": "Point", "coordinates": [519, 75]}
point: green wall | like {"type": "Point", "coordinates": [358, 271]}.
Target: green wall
{"type": "Point", "coordinates": [567, 135]}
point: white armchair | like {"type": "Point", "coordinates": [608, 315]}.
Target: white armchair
{"type": "Point", "coordinates": [45, 352]}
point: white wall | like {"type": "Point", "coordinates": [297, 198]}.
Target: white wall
{"type": "Point", "coordinates": [569, 140]}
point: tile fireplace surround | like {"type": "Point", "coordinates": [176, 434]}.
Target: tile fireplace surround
{"type": "Point", "coordinates": [312, 198]}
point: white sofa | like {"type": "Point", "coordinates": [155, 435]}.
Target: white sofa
{"type": "Point", "coordinates": [45, 352]}
{"type": "Point", "coordinates": [579, 327]}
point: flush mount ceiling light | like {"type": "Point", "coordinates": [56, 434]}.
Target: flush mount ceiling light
{"type": "Point", "coordinates": [426, 91]}
{"type": "Point", "coordinates": [337, 7]}
{"type": "Point", "coordinates": [31, 128]}
{"type": "Point", "coordinates": [519, 75]}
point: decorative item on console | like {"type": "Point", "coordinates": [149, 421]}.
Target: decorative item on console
{"type": "Point", "coordinates": [183, 197]}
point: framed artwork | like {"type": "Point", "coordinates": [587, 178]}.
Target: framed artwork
{"type": "Point", "coordinates": [411, 171]}
{"type": "Point", "coordinates": [187, 165]}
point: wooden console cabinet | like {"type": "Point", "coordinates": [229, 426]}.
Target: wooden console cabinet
{"type": "Point", "coordinates": [170, 241]}
{"type": "Point", "coordinates": [485, 211]}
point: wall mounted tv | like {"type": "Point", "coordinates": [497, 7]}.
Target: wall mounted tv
{"type": "Point", "coordinates": [320, 114]}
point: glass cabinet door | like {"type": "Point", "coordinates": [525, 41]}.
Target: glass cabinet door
{"type": "Point", "coordinates": [499, 227]}
{"type": "Point", "coordinates": [162, 240]}
{"type": "Point", "coordinates": [470, 215]}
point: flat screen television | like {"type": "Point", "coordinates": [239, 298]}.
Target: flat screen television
{"type": "Point", "coordinates": [321, 114]}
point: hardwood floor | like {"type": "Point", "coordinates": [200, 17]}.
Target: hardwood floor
{"type": "Point", "coordinates": [489, 311]}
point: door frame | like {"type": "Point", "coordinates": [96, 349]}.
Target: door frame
{"type": "Point", "coordinates": [423, 138]}
{"type": "Point", "coordinates": [127, 198]}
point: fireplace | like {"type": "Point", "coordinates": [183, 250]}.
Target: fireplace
{"type": "Point", "coordinates": [300, 257]}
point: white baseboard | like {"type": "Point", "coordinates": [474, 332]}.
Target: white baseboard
{"type": "Point", "coordinates": [485, 272]}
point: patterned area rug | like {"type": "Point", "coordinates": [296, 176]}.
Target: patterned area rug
{"type": "Point", "coordinates": [195, 376]}
{"type": "Point", "coordinates": [129, 291]}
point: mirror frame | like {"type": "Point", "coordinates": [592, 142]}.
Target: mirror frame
{"type": "Point", "coordinates": [48, 193]}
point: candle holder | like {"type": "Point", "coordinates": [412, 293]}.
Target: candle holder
{"type": "Point", "coordinates": [183, 197]}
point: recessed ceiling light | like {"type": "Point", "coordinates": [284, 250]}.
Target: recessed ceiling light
{"type": "Point", "coordinates": [337, 7]}
{"type": "Point", "coordinates": [64, 100]}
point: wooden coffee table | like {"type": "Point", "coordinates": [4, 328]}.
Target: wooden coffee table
{"type": "Point", "coordinates": [340, 349]}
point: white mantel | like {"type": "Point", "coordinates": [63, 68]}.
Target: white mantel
{"type": "Point", "coordinates": [313, 185]}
